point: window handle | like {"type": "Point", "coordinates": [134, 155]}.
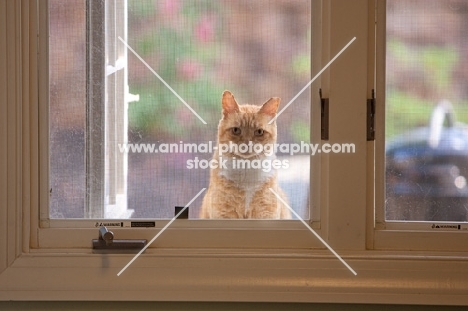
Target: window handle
{"type": "Point", "coordinates": [106, 236]}
{"type": "Point", "coordinates": [107, 243]}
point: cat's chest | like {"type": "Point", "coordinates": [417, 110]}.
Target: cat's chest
{"type": "Point", "coordinates": [248, 178]}
{"type": "Point", "coordinates": [247, 174]}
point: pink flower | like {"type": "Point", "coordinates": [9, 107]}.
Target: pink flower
{"type": "Point", "coordinates": [169, 7]}
{"type": "Point", "coordinates": [205, 29]}
{"type": "Point", "coordinates": [189, 69]}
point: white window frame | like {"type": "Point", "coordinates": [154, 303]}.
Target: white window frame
{"type": "Point", "coordinates": [106, 112]}
{"type": "Point", "coordinates": [116, 103]}
{"type": "Point", "coordinates": [50, 231]}
{"type": "Point", "coordinates": [246, 273]}
{"type": "Point", "coordinates": [395, 235]}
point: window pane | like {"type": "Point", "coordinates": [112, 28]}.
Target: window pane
{"type": "Point", "coordinates": [427, 110]}
{"type": "Point", "coordinates": [255, 49]}
{"type": "Point", "coordinates": [67, 93]}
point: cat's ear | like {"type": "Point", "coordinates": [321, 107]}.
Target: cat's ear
{"type": "Point", "coordinates": [270, 107]}
{"type": "Point", "coordinates": [229, 104]}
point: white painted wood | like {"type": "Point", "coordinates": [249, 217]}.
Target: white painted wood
{"type": "Point", "coordinates": [348, 95]}
{"type": "Point", "coordinates": [3, 138]}
{"type": "Point", "coordinates": [13, 113]}
{"type": "Point", "coordinates": [380, 112]}
{"type": "Point", "coordinates": [316, 192]}
{"type": "Point", "coordinates": [237, 277]}
{"type": "Point", "coordinates": [370, 151]}
{"type": "Point", "coordinates": [27, 77]}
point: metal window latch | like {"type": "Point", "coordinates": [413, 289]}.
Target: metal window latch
{"type": "Point", "coordinates": [324, 113]}
{"type": "Point", "coordinates": [371, 118]}
{"type": "Point", "coordinates": [106, 242]}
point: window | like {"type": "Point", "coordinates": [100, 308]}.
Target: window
{"type": "Point", "coordinates": [46, 257]}
{"type": "Point", "coordinates": [109, 140]}
{"type": "Point", "coordinates": [140, 92]}
{"type": "Point", "coordinates": [420, 180]}
{"type": "Point", "coordinates": [88, 99]}
{"type": "Point", "coordinates": [426, 112]}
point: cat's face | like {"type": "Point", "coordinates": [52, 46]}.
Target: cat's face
{"type": "Point", "coordinates": [246, 126]}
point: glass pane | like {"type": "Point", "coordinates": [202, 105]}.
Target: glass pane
{"type": "Point", "coordinates": [67, 93]}
{"type": "Point", "coordinates": [255, 49]}
{"type": "Point", "coordinates": [427, 110]}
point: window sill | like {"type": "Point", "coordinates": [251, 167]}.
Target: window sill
{"type": "Point", "coordinates": [256, 275]}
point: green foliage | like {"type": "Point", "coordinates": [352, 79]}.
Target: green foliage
{"type": "Point", "coordinates": [159, 111]}
{"type": "Point", "coordinates": [436, 63]}
{"type": "Point", "coordinates": [301, 64]}
{"type": "Point", "coordinates": [439, 62]}
{"type": "Point", "coordinates": [142, 8]}
{"type": "Point", "coordinates": [400, 51]}
{"type": "Point", "coordinates": [461, 112]}
{"type": "Point", "coordinates": [183, 42]}
{"type": "Point", "coordinates": [300, 130]}
{"type": "Point", "coordinates": [182, 57]}
{"type": "Point", "coordinates": [405, 112]}
{"type": "Point", "coordinates": [410, 106]}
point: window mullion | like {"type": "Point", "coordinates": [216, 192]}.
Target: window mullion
{"type": "Point", "coordinates": [380, 114]}
{"type": "Point", "coordinates": [121, 92]}
{"type": "Point", "coordinates": [348, 94]}
{"type": "Point", "coordinates": [111, 104]}
{"type": "Point", "coordinates": [116, 111]}
{"type": "Point", "coordinates": [371, 88]}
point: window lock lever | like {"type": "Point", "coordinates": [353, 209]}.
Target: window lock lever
{"type": "Point", "coordinates": [106, 236]}
{"type": "Point", "coordinates": [106, 242]}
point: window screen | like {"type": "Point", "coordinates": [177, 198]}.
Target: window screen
{"type": "Point", "coordinates": [181, 56]}
{"type": "Point", "coordinates": [67, 116]}
{"type": "Point", "coordinates": [427, 110]}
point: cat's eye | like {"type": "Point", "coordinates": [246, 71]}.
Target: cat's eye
{"type": "Point", "coordinates": [236, 131]}
{"type": "Point", "coordinates": [258, 132]}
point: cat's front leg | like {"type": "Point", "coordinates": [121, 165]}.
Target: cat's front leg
{"type": "Point", "coordinates": [265, 204]}
{"type": "Point", "coordinates": [222, 203]}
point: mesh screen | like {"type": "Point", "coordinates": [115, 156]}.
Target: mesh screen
{"type": "Point", "coordinates": [67, 87]}
{"type": "Point", "coordinates": [427, 110]}
{"type": "Point", "coordinates": [256, 49]}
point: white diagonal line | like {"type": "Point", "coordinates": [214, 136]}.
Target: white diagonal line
{"type": "Point", "coordinates": [313, 79]}
{"type": "Point", "coordinates": [160, 232]}
{"type": "Point", "coordinates": [315, 233]}
{"type": "Point", "coordinates": [162, 80]}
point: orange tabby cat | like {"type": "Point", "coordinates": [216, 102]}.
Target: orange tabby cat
{"type": "Point", "coordinates": [240, 191]}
